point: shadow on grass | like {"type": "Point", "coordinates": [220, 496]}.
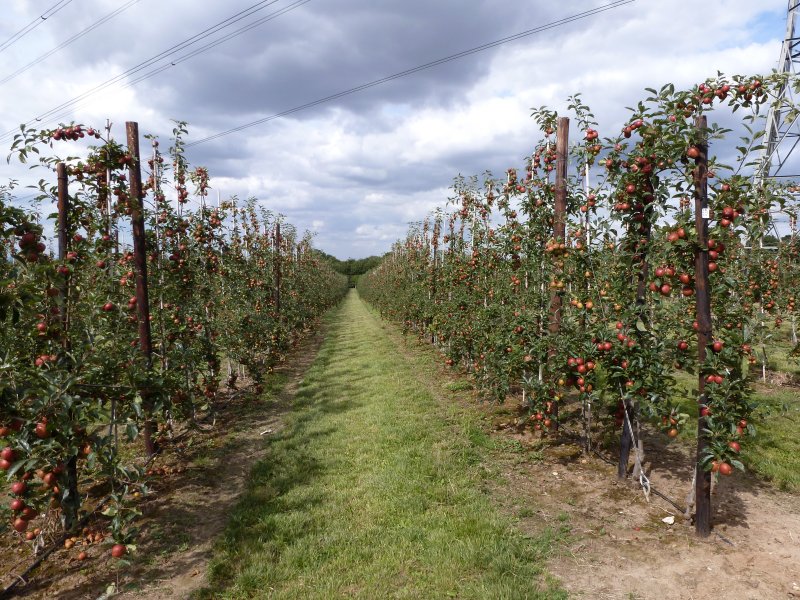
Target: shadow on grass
{"type": "Point", "coordinates": [279, 487]}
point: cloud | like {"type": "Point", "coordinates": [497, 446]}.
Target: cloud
{"type": "Point", "coordinates": [357, 170]}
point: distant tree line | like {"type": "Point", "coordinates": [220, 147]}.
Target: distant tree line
{"type": "Point", "coordinates": [353, 268]}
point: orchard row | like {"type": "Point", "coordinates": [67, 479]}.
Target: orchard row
{"type": "Point", "coordinates": [602, 268]}
{"type": "Point", "coordinates": [103, 345]}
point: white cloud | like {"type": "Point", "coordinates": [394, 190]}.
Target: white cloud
{"type": "Point", "coordinates": [359, 169]}
{"type": "Point", "coordinates": [379, 232]}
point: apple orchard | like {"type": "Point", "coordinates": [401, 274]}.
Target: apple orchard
{"type": "Point", "coordinates": [107, 348]}
{"type": "Point", "coordinates": [588, 280]}
{"type": "Point", "coordinates": [584, 282]}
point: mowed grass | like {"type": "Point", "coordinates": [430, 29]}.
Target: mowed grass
{"type": "Point", "coordinates": [372, 490]}
{"type": "Point", "coordinates": [774, 453]}
{"type": "Point", "coordinates": [779, 352]}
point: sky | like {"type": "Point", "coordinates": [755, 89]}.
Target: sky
{"type": "Point", "coordinates": [357, 170]}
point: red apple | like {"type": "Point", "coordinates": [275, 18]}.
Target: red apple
{"type": "Point", "coordinates": [42, 431]}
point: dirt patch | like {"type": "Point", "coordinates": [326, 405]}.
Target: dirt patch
{"type": "Point", "coordinates": [620, 545]}
{"type": "Point", "coordinates": [782, 379]}
{"type": "Point", "coordinates": [196, 482]}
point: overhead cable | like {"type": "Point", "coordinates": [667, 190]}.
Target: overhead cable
{"type": "Point", "coordinates": [34, 24]}
{"type": "Point", "coordinates": [417, 69]}
{"type": "Point", "coordinates": [69, 41]}
{"type": "Point", "coordinates": [163, 55]}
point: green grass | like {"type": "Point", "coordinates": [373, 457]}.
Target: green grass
{"type": "Point", "coordinates": [774, 453]}
{"type": "Point", "coordinates": [372, 490]}
{"type": "Point", "coordinates": [458, 386]}
{"type": "Point", "coordinates": [779, 352]}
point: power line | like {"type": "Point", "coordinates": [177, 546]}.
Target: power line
{"type": "Point", "coordinates": [411, 71]}
{"type": "Point", "coordinates": [67, 42]}
{"type": "Point", "coordinates": [34, 24]}
{"type": "Point", "coordinates": [233, 34]}
{"type": "Point", "coordinates": [161, 55]}
{"type": "Point", "coordinates": [258, 6]}
{"type": "Point", "coordinates": [200, 50]}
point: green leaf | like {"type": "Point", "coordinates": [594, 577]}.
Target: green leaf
{"type": "Point", "coordinates": [137, 405]}
{"type": "Point", "coordinates": [131, 431]}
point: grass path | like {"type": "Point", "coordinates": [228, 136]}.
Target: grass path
{"type": "Point", "coordinates": [372, 490]}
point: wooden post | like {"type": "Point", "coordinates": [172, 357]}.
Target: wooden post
{"type": "Point", "coordinates": [436, 229]}
{"type": "Point", "coordinates": [277, 269]}
{"type": "Point", "coordinates": [63, 242]}
{"type": "Point", "coordinates": [71, 503]}
{"type": "Point", "coordinates": [140, 262]}
{"type": "Point", "coordinates": [560, 213]}
{"type": "Point", "coordinates": [587, 402]}
{"type": "Point", "coordinates": [559, 234]}
{"type": "Point", "coordinates": [792, 228]}
{"type": "Point", "coordinates": [702, 520]}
